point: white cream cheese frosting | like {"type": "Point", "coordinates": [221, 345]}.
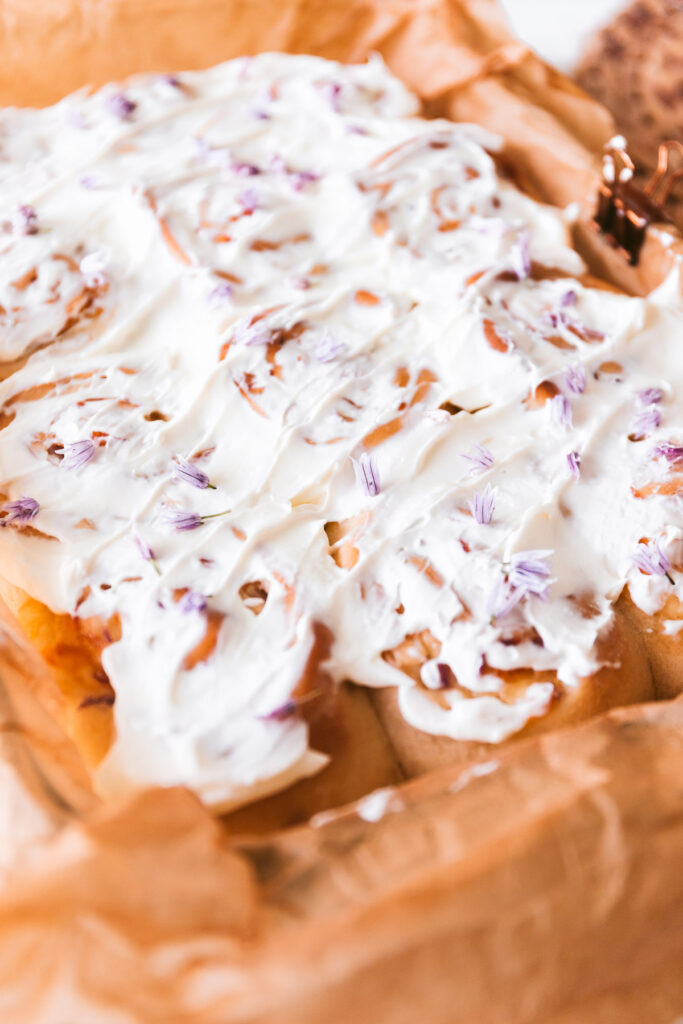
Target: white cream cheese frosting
{"type": "Point", "coordinates": [242, 306]}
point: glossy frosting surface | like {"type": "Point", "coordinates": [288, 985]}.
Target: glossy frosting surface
{"type": "Point", "coordinates": [272, 348]}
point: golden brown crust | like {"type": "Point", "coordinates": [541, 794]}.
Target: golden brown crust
{"type": "Point", "coordinates": [342, 720]}
{"type": "Point", "coordinates": [664, 650]}
{"type": "Point", "coordinates": [625, 679]}
{"type": "Point", "coordinates": [80, 688]}
{"type": "Point", "coordinates": [362, 760]}
{"type": "Point", "coordinates": [369, 742]}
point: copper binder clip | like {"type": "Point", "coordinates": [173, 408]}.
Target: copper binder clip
{"type": "Point", "coordinates": [625, 210]}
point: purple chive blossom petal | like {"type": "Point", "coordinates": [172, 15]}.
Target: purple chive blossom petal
{"type": "Point", "coordinates": [172, 80]}
{"type": "Point", "coordinates": [146, 551]}
{"type": "Point", "coordinates": [78, 454]}
{"type": "Point", "coordinates": [436, 675]}
{"type": "Point", "coordinates": [300, 179]}
{"type": "Point", "coordinates": [367, 474]}
{"type": "Point", "coordinates": [192, 601]}
{"type": "Point", "coordinates": [650, 396]}
{"type": "Point", "coordinates": [251, 334]}
{"type": "Point", "coordinates": [482, 505]}
{"type": "Point", "coordinates": [121, 106]}
{"type": "Point", "coordinates": [328, 348]}
{"type": "Point", "coordinates": [93, 267]}
{"type": "Point", "coordinates": [181, 520]}
{"type": "Point", "coordinates": [574, 463]}
{"type": "Point", "coordinates": [480, 458]}
{"type": "Point", "coordinates": [25, 221]}
{"type": "Point", "coordinates": [221, 292]}
{"type": "Point", "coordinates": [560, 411]}
{"type": "Point", "coordinates": [671, 452]}
{"type": "Point", "coordinates": [568, 299]}
{"type": "Point", "coordinates": [652, 561]}
{"type": "Point", "coordinates": [647, 420]}
{"type": "Point", "coordinates": [332, 91]}
{"type": "Point", "coordinates": [143, 547]}
{"type": "Point", "coordinates": [245, 170]}
{"type": "Point", "coordinates": [21, 511]}
{"type": "Point", "coordinates": [521, 259]}
{"type": "Point", "coordinates": [190, 474]}
{"type": "Point", "coordinates": [503, 599]}
{"type": "Point", "coordinates": [281, 713]}
{"type": "Point", "coordinates": [575, 379]}
{"type": "Point", "coordinates": [301, 284]}
{"type": "Point", "coordinates": [530, 573]}
{"type": "Point", "coordinates": [249, 200]}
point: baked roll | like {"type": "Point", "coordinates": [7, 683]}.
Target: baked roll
{"type": "Point", "coordinates": [319, 452]}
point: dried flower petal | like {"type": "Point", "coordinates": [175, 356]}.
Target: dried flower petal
{"type": "Point", "coordinates": [436, 675]}
{"type": "Point", "coordinates": [21, 511]}
{"type": "Point", "coordinates": [574, 463]}
{"type": "Point", "coordinates": [482, 505]}
{"type": "Point", "coordinates": [192, 601]}
{"type": "Point", "coordinates": [146, 551]}
{"type": "Point", "coordinates": [122, 106]}
{"type": "Point", "coordinates": [560, 411]}
{"type": "Point", "coordinates": [181, 519]}
{"type": "Point", "coordinates": [652, 561]}
{"type": "Point", "coordinates": [645, 421]}
{"type": "Point", "coordinates": [520, 254]}
{"type": "Point", "coordinates": [143, 547]}
{"type": "Point", "coordinates": [249, 200]}
{"type": "Point", "coordinates": [575, 379]}
{"type": "Point", "coordinates": [480, 458]}
{"type": "Point", "coordinates": [367, 474]}
{"type": "Point", "coordinates": [332, 92]}
{"type": "Point", "coordinates": [245, 170]}
{"type": "Point", "coordinates": [328, 348]}
{"type": "Point", "coordinates": [650, 396]}
{"type": "Point", "coordinates": [250, 334]}
{"type": "Point", "coordinates": [300, 179]}
{"type": "Point", "coordinates": [530, 573]}
{"type": "Point", "coordinates": [281, 713]}
{"type": "Point", "coordinates": [186, 471]}
{"type": "Point", "coordinates": [220, 293]}
{"type": "Point", "coordinates": [25, 221]}
{"type": "Point", "coordinates": [568, 299]}
{"type": "Point", "coordinates": [77, 454]}
{"type": "Point", "coordinates": [503, 598]}
{"type": "Point", "coordinates": [671, 452]}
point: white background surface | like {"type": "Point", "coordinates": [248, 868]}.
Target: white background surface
{"type": "Point", "coordinates": [557, 29]}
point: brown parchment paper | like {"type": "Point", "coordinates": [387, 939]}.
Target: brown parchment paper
{"type": "Point", "coordinates": [545, 888]}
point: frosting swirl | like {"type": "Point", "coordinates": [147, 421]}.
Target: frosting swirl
{"type": "Point", "coordinates": [282, 357]}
